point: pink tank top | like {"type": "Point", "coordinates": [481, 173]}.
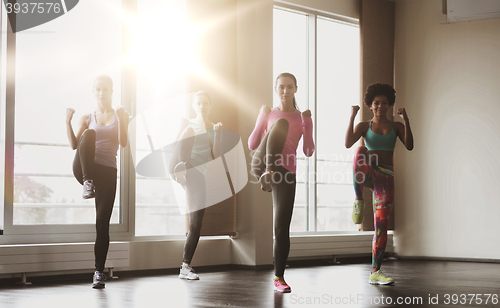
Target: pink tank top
{"type": "Point", "coordinates": [106, 141]}
{"type": "Point", "coordinates": [298, 127]}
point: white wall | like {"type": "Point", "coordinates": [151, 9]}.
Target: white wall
{"type": "Point", "coordinates": [447, 77]}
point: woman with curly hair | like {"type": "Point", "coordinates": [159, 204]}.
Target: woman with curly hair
{"type": "Point", "coordinates": [373, 165]}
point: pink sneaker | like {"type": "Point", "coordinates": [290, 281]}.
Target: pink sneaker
{"type": "Point", "coordinates": [281, 286]}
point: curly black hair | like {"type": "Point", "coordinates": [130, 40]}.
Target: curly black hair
{"type": "Point", "coordinates": [376, 89]}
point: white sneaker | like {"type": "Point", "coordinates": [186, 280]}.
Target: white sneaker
{"type": "Point", "coordinates": [179, 174]}
{"type": "Point", "coordinates": [188, 273]}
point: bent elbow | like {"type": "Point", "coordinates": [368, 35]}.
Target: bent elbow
{"type": "Point", "coordinates": [309, 152]}
{"type": "Point", "coordinates": [252, 146]}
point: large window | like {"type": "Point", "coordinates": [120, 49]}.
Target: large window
{"type": "Point", "coordinates": [323, 53]}
{"type": "Point", "coordinates": [146, 48]}
{"type": "Point", "coordinates": [161, 84]}
{"type": "Point", "coordinates": [49, 79]}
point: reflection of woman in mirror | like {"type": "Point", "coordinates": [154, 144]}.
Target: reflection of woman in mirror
{"type": "Point", "coordinates": [373, 165]}
{"type": "Point", "coordinates": [275, 139]}
{"type": "Point", "coordinates": [98, 137]}
{"type": "Point", "coordinates": [197, 142]}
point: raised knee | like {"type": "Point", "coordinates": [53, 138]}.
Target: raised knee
{"type": "Point", "coordinates": [361, 150]}
{"type": "Point", "coordinates": [282, 122]}
{"type": "Point", "coordinates": [88, 133]}
{"type": "Point", "coordinates": [187, 133]}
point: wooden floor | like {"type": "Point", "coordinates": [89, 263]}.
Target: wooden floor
{"type": "Point", "coordinates": [315, 286]}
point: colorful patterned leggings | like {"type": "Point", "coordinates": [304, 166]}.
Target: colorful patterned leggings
{"type": "Point", "coordinates": [380, 179]}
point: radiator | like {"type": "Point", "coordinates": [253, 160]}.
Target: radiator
{"type": "Point", "coordinates": [58, 257]}
{"type": "Point", "coordinates": [334, 245]}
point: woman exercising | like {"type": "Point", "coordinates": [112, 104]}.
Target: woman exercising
{"type": "Point", "coordinates": [275, 139]}
{"type": "Point", "coordinates": [98, 137]}
{"type": "Point", "coordinates": [197, 143]}
{"type": "Point", "coordinates": [373, 165]}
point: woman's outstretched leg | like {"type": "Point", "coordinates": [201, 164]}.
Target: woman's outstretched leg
{"type": "Point", "coordinates": [104, 201]}
{"type": "Point", "coordinates": [283, 198]}
{"type": "Point", "coordinates": [383, 203]}
{"type": "Point", "coordinates": [196, 202]}
{"type": "Point", "coordinates": [267, 156]}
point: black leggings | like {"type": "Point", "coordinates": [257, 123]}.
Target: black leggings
{"type": "Point", "coordinates": [268, 153]}
{"type": "Point", "coordinates": [104, 178]}
{"type": "Point", "coordinates": [195, 192]}
{"type": "Point", "coordinates": [266, 158]}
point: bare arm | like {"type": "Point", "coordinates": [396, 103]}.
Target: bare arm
{"type": "Point", "coordinates": [123, 119]}
{"type": "Point", "coordinates": [260, 126]}
{"type": "Point", "coordinates": [354, 133]}
{"type": "Point", "coordinates": [404, 133]}
{"type": "Point", "coordinates": [217, 139]}
{"type": "Point", "coordinates": [184, 124]}
{"type": "Point", "coordinates": [307, 131]}
{"type": "Point", "coordinates": [81, 127]}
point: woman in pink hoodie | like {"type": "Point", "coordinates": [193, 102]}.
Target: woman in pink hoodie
{"type": "Point", "coordinates": [275, 139]}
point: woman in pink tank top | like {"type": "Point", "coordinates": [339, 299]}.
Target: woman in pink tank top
{"type": "Point", "coordinates": [98, 137]}
{"type": "Point", "coordinates": [275, 139]}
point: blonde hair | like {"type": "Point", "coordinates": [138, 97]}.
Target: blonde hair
{"type": "Point", "coordinates": [203, 93]}
{"type": "Point", "coordinates": [105, 78]}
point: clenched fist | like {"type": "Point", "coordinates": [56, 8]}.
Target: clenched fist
{"type": "Point", "coordinates": [402, 113]}
{"type": "Point", "coordinates": [355, 110]}
{"type": "Point", "coordinates": [218, 126]}
{"type": "Point", "coordinates": [265, 109]}
{"type": "Point", "coordinates": [69, 114]}
{"type": "Point", "coordinates": [306, 113]}
{"type": "Point", "coordinates": [120, 113]}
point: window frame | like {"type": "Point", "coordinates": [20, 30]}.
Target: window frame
{"type": "Point", "coordinates": [311, 184]}
{"type": "Point", "coordinates": [44, 233]}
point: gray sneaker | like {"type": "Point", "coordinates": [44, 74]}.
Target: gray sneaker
{"type": "Point", "coordinates": [88, 189]}
{"type": "Point", "coordinates": [188, 273]}
{"type": "Point", "coordinates": [99, 279]}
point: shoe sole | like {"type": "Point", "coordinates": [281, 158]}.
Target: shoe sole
{"type": "Point", "coordinates": [98, 286]}
{"type": "Point", "coordinates": [187, 278]}
{"type": "Point", "coordinates": [88, 196]}
{"type": "Point", "coordinates": [380, 283]}
{"type": "Point", "coordinates": [283, 291]}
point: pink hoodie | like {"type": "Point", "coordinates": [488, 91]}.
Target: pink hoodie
{"type": "Point", "coordinates": [298, 126]}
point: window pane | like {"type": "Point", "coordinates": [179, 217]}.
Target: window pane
{"type": "Point", "coordinates": [338, 89]}
{"type": "Point", "coordinates": [290, 50]}
{"type": "Point", "coordinates": [163, 57]}
{"type": "Point", "coordinates": [56, 64]}
{"type": "Point", "coordinates": [335, 196]}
